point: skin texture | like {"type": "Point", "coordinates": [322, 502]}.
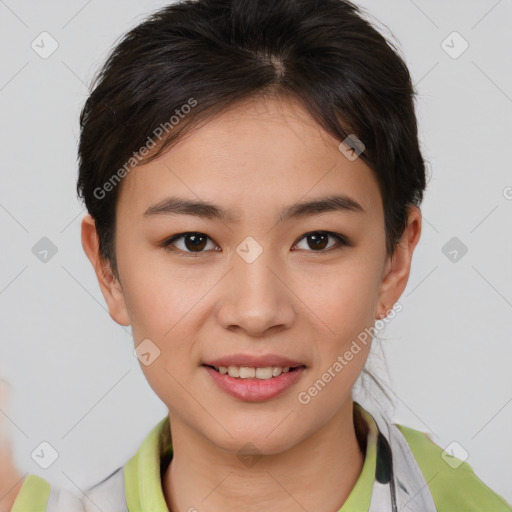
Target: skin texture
{"type": "Point", "coordinates": [295, 300]}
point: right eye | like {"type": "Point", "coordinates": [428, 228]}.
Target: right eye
{"type": "Point", "coordinates": [192, 243]}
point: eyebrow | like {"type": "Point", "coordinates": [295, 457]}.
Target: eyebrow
{"type": "Point", "coordinates": [204, 209]}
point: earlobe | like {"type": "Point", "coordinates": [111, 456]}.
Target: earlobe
{"type": "Point", "coordinates": [109, 284]}
{"type": "Point", "coordinates": [398, 266]}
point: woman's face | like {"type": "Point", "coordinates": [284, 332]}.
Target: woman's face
{"type": "Point", "coordinates": [261, 281]}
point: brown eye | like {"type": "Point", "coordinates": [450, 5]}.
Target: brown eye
{"type": "Point", "coordinates": [195, 241]}
{"type": "Point", "coordinates": [191, 242]}
{"type": "Point", "coordinates": [318, 240]}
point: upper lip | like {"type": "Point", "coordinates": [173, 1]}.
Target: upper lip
{"type": "Point", "coordinates": [253, 361]}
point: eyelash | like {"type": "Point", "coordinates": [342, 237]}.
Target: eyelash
{"type": "Point", "coordinates": [342, 241]}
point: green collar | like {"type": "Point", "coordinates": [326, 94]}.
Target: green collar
{"type": "Point", "coordinates": [143, 484]}
{"type": "Point", "coordinates": [33, 495]}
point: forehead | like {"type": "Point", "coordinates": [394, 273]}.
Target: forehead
{"type": "Point", "coordinates": [253, 155]}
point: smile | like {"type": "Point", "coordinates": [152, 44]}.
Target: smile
{"type": "Point", "coordinates": [254, 384]}
{"type": "Point", "coordinates": [245, 372]}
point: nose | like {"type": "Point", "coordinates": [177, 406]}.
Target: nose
{"type": "Point", "coordinates": [256, 297]}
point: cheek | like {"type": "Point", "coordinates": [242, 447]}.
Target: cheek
{"type": "Point", "coordinates": [165, 306]}
{"type": "Point", "coordinates": [343, 296]}
{"type": "Point", "coordinates": [157, 294]}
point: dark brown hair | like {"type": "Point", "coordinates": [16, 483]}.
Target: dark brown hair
{"type": "Point", "coordinates": [194, 58]}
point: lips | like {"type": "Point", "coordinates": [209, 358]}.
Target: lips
{"type": "Point", "coordinates": [257, 388]}
{"type": "Point", "coordinates": [254, 378]}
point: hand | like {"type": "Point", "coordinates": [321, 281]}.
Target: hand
{"type": "Point", "coordinates": [11, 479]}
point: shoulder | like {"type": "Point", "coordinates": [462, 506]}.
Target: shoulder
{"type": "Point", "coordinates": [37, 494]}
{"type": "Point", "coordinates": [108, 495]}
{"type": "Point", "coordinates": [452, 482]}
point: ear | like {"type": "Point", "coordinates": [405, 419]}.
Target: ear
{"type": "Point", "coordinates": [109, 284]}
{"type": "Point", "coordinates": [398, 266]}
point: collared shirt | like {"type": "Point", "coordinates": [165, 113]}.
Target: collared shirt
{"type": "Point", "coordinates": [139, 482]}
{"type": "Point", "coordinates": [142, 473]}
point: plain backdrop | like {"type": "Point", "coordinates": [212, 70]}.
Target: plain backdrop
{"type": "Point", "coordinates": [75, 381]}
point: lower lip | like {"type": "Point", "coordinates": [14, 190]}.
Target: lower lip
{"type": "Point", "coordinates": [255, 390]}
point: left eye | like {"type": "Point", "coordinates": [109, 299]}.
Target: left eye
{"type": "Point", "coordinates": [318, 240]}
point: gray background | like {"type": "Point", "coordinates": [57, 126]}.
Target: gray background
{"type": "Point", "coordinates": [75, 382]}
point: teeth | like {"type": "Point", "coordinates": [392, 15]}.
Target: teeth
{"type": "Point", "coordinates": [247, 373]}
{"type": "Point", "coordinates": [265, 373]}
{"type": "Point", "coordinates": [234, 371]}
{"type": "Point", "coordinates": [244, 372]}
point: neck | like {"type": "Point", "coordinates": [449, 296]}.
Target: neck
{"type": "Point", "coordinates": [316, 474]}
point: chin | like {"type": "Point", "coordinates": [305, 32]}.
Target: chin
{"type": "Point", "coordinates": [256, 439]}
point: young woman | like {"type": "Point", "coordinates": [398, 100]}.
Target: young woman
{"type": "Point", "coordinates": [253, 178]}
